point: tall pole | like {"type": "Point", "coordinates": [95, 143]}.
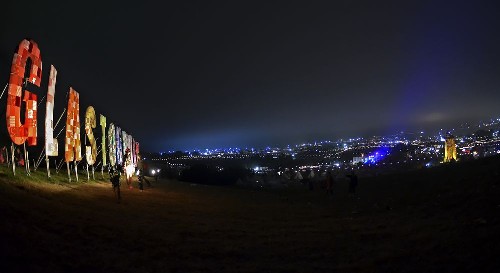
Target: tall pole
{"type": "Point", "coordinates": [47, 163]}
{"type": "Point", "coordinates": [86, 159]}
{"type": "Point", "coordinates": [6, 156]}
{"type": "Point", "coordinates": [76, 170]}
{"type": "Point", "coordinates": [26, 160]}
{"type": "Point", "coordinates": [88, 175]}
{"type": "Point", "coordinates": [13, 158]}
{"type": "Point", "coordinates": [69, 173]}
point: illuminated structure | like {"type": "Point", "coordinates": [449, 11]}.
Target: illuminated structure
{"type": "Point", "coordinates": [450, 149]}
{"type": "Point", "coordinates": [26, 69]}
{"type": "Point", "coordinates": [18, 131]}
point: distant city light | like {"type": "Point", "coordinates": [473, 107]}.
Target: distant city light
{"type": "Point", "coordinates": [407, 148]}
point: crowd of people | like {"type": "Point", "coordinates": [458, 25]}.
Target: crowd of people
{"type": "Point", "coordinates": [328, 183]}
{"type": "Point", "coordinates": [115, 172]}
{"type": "Point", "coordinates": [4, 157]}
{"type": "Point", "coordinates": [327, 180]}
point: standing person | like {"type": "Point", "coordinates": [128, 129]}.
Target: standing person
{"type": "Point", "coordinates": [2, 152]}
{"type": "Point", "coordinates": [298, 176]}
{"type": "Point", "coordinates": [157, 174]}
{"type": "Point", "coordinates": [353, 183]}
{"type": "Point", "coordinates": [329, 183]}
{"type": "Point", "coordinates": [140, 180]}
{"type": "Point", "coordinates": [16, 156]}
{"type": "Point", "coordinates": [144, 170]}
{"type": "Point", "coordinates": [114, 177]}
{"type": "Point", "coordinates": [19, 159]}
{"type": "Point", "coordinates": [141, 167]}
{"type": "Point", "coordinates": [121, 170]}
{"type": "Point", "coordinates": [129, 168]}
{"type": "Point", "coordinates": [310, 180]}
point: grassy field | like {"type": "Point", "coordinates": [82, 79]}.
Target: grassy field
{"type": "Point", "coordinates": [445, 219]}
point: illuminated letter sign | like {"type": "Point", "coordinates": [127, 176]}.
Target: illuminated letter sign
{"type": "Point", "coordinates": [119, 151]}
{"type": "Point", "coordinates": [90, 123]}
{"type": "Point", "coordinates": [103, 139]}
{"type": "Point", "coordinates": [112, 144]}
{"type": "Point", "coordinates": [18, 132]}
{"type": "Point", "coordinates": [72, 147]}
{"type": "Point", "coordinates": [50, 142]}
{"type": "Point", "coordinates": [131, 145]}
{"type": "Point", "coordinates": [134, 152]}
{"type": "Point", "coordinates": [124, 143]}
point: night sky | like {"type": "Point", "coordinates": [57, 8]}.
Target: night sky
{"type": "Point", "coordinates": [202, 74]}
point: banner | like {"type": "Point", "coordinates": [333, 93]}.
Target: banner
{"type": "Point", "coordinates": [103, 139]}
{"type": "Point", "coordinates": [124, 143]}
{"type": "Point", "coordinates": [137, 151]}
{"type": "Point", "coordinates": [119, 147]}
{"type": "Point", "coordinates": [51, 146]}
{"type": "Point", "coordinates": [112, 144]}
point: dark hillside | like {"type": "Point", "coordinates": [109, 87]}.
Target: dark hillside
{"type": "Point", "coordinates": [443, 219]}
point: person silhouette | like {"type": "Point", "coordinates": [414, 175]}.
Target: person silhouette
{"type": "Point", "coordinates": [329, 183]}
{"type": "Point", "coordinates": [353, 183]}
{"type": "Point", "coordinates": [114, 177]}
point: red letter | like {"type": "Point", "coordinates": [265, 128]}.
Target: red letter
{"type": "Point", "coordinates": [18, 132]}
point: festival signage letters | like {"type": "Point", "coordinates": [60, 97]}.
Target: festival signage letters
{"type": "Point", "coordinates": [26, 131]}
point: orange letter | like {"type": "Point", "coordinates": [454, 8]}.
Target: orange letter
{"type": "Point", "coordinates": [72, 147]}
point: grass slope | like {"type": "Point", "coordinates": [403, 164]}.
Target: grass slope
{"type": "Point", "coordinates": [444, 219]}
